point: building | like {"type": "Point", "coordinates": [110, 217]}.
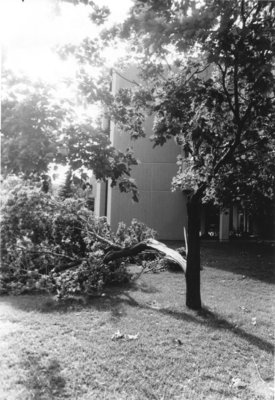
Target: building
{"type": "Point", "coordinates": [158, 207]}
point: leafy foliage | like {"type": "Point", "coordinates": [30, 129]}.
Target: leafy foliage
{"type": "Point", "coordinates": [135, 233]}
{"type": "Point", "coordinates": [208, 80]}
{"type": "Point", "coordinates": [38, 129]}
{"type": "Point", "coordinates": [59, 246]}
{"type": "Point", "coordinates": [89, 147]}
{"type": "Point", "coordinates": [31, 124]}
{"type": "Point", "coordinates": [219, 105]}
{"type": "Point", "coordinates": [207, 77]}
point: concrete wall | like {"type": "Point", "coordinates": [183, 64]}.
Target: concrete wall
{"type": "Point", "coordinates": [158, 207]}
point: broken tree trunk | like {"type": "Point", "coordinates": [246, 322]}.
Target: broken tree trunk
{"type": "Point", "coordinates": [170, 254]}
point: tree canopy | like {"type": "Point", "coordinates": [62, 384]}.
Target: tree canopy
{"type": "Point", "coordinates": [39, 129]}
{"type": "Point", "coordinates": [216, 94]}
{"type": "Point", "coordinates": [31, 121]}
{"type": "Point", "coordinates": [207, 77]}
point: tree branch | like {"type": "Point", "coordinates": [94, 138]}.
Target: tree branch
{"type": "Point", "coordinates": [50, 253]}
{"type": "Point", "coordinates": [126, 79]}
{"type": "Point", "coordinates": [225, 146]}
{"type": "Point", "coordinates": [125, 252]}
{"type": "Point", "coordinates": [246, 115]}
{"type": "Point", "coordinates": [199, 192]}
{"type": "Point", "coordinates": [223, 72]}
{"type": "Point", "coordinates": [102, 239]}
{"type": "Point", "coordinates": [227, 154]}
{"type": "Point", "coordinates": [246, 149]}
{"type": "Point", "coordinates": [170, 254]}
{"type": "Point", "coordinates": [168, 65]}
{"type": "Point", "coordinates": [243, 14]}
{"type": "Point", "coordinates": [196, 72]}
{"type": "Point", "coordinates": [236, 89]}
{"type": "Point", "coordinates": [64, 267]}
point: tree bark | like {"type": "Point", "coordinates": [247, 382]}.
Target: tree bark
{"type": "Point", "coordinates": [193, 295]}
{"type": "Point", "coordinates": [125, 252]}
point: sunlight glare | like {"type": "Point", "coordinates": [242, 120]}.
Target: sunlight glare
{"type": "Point", "coordinates": [31, 29]}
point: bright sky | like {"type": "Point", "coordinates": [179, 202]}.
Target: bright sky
{"type": "Point", "coordinates": [31, 28]}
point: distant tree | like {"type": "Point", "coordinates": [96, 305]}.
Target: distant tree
{"type": "Point", "coordinates": [208, 80]}
{"type": "Point", "coordinates": [66, 190]}
{"type": "Point", "coordinates": [38, 129]}
{"type": "Point", "coordinates": [31, 124]}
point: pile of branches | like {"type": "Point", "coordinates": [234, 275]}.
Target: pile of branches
{"type": "Point", "coordinates": [62, 248]}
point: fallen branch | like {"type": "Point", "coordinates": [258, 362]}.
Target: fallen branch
{"type": "Point", "coordinates": [100, 238]}
{"type": "Point", "coordinates": [170, 254]}
{"type": "Point", "coordinates": [50, 253]}
{"type": "Point", "coordinates": [125, 252]}
{"type": "Point", "coordinates": [64, 267]}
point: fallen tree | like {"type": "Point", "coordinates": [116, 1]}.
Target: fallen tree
{"type": "Point", "coordinates": [62, 248]}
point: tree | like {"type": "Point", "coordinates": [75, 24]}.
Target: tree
{"type": "Point", "coordinates": [216, 99]}
{"type": "Point", "coordinates": [38, 129]}
{"type": "Point", "coordinates": [31, 122]}
{"type": "Point", "coordinates": [208, 79]}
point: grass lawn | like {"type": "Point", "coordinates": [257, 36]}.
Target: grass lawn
{"type": "Point", "coordinates": [53, 351]}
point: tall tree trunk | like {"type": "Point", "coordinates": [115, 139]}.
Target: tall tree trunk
{"type": "Point", "coordinates": [193, 295]}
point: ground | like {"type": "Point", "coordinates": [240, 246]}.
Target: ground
{"type": "Point", "coordinates": [66, 351]}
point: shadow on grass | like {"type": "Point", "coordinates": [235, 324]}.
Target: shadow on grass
{"type": "Point", "coordinates": [253, 260]}
{"type": "Point", "coordinates": [47, 304]}
{"type": "Point", "coordinates": [43, 378]}
{"type": "Point", "coordinates": [216, 321]}
{"type": "Point", "coordinates": [205, 316]}
{"type": "Point", "coordinates": [116, 298]}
